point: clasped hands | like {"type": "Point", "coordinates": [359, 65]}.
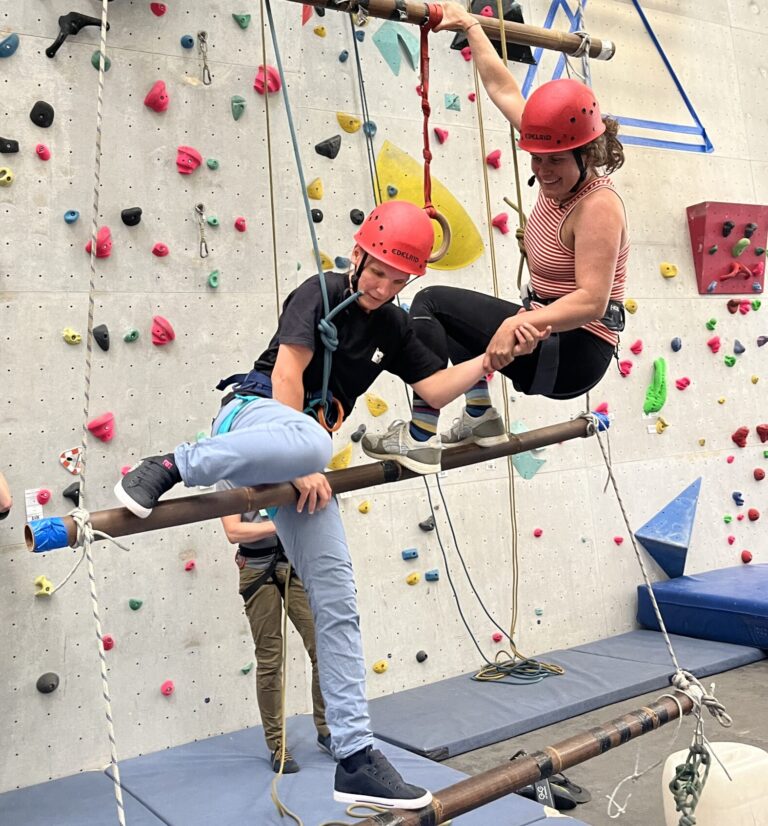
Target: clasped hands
{"type": "Point", "coordinates": [514, 337]}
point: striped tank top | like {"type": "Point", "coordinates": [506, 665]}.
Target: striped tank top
{"type": "Point", "coordinates": [553, 265]}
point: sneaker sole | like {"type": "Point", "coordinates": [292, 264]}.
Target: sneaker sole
{"type": "Point", "coordinates": [133, 506]}
{"type": "Point", "coordinates": [386, 802]}
{"type": "Point", "coordinates": [490, 441]}
{"type": "Point", "coordinates": [324, 749]}
{"type": "Point", "coordinates": [417, 467]}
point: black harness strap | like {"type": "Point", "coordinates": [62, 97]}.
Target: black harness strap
{"type": "Point", "coordinates": [268, 573]}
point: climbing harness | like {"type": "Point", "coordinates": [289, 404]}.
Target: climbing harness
{"type": "Point", "coordinates": [200, 213]}
{"type": "Point", "coordinates": [202, 48]}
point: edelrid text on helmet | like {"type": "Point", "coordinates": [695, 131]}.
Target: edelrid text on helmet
{"type": "Point", "coordinates": [399, 234]}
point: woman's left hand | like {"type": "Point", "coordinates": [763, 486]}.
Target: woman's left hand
{"type": "Point", "coordinates": [515, 337]}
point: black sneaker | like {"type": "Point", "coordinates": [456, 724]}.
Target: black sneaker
{"type": "Point", "coordinates": [290, 766]}
{"type": "Point", "coordinates": [145, 483]}
{"type": "Point", "coordinates": [378, 782]}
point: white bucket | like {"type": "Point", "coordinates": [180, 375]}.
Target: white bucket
{"type": "Point", "coordinates": [740, 802]}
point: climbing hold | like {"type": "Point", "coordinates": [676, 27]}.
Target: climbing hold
{"type": "Point", "coordinates": [71, 460]}
{"type": "Point", "coordinates": [413, 578]}
{"type": "Point", "coordinates": [731, 539]}
{"type": "Point", "coordinates": [9, 45]}
{"type": "Point", "coordinates": [727, 519]}
{"type": "Point", "coordinates": [739, 437]}
{"type": "Point", "coordinates": [728, 228]}
{"type": "Point", "coordinates": [637, 347]}
{"type": "Point", "coordinates": [729, 361]}
{"type": "Point", "coordinates": [410, 553]}
{"type": "Point", "coordinates": [656, 394]}
{"type": "Point", "coordinates": [754, 379]}
{"type": "Point", "coordinates": [70, 336]}
{"type": "Point", "coordinates": [739, 247]}
{"type": "Point", "coordinates": [432, 575]}
{"type": "Point", "coordinates": [391, 190]}
{"type": "Point", "coordinates": [746, 557]}
{"type": "Point", "coordinates": [242, 20]}
{"type": "Point", "coordinates": [421, 656]}
{"type": "Point", "coordinates": [72, 492]}
{"type": "Point", "coordinates": [749, 229]}
{"type": "Point", "coordinates": [428, 524]}
{"type": "Point", "coordinates": [96, 61]}
{"type": "Point", "coordinates": [103, 427]}
{"type": "Point", "coordinates": [240, 224]}
{"type": "Point", "coordinates": [762, 340]}
{"type": "Point", "coordinates": [131, 335]}
{"type": "Point", "coordinates": [349, 123]}
{"type": "Point", "coordinates": [213, 279]}
{"type": "Point", "coordinates": [190, 565]}
{"type": "Point", "coordinates": [721, 400]}
{"type": "Point", "coordinates": [625, 367]}
{"type": "Point", "coordinates": [187, 159]}
{"type": "Point", "coordinates": [711, 324]}
{"type": "Point", "coordinates": [497, 636]}
{"type": "Point", "coordinates": [759, 474]}
{"type": "Point", "coordinates": [131, 216]}
{"type": "Point", "coordinates": [315, 189]}
{"type": "Point", "coordinates": [42, 114]}
{"type": "Point", "coordinates": [757, 287]}
{"type": "Point", "coordinates": [357, 216]}
{"type": "Point", "coordinates": [682, 383]}
{"type": "Point", "coordinates": [359, 36]}
{"type": "Point", "coordinates": [187, 41]}
{"type": "Point", "coordinates": [329, 148]}
{"type": "Point", "coordinates": [537, 532]}
{"type": "Point", "coordinates": [200, 435]}
{"type": "Point", "coordinates": [247, 668]}
{"type": "Point", "coordinates": [135, 604]}
{"type": "Point", "coordinates": [364, 507]}
{"type": "Point", "coordinates": [160, 250]}
{"type": "Point", "coordinates": [320, 31]}
{"type": "Point", "coordinates": [618, 540]}
{"type": "Point", "coordinates": [713, 249]}
{"type": "Point", "coordinates": [237, 106]}
{"type": "Point", "coordinates": [471, 97]}
{"type": "Point", "coordinates": [8, 146]}
{"type": "Point", "coordinates": [441, 134]}
{"type": "Point", "coordinates": [737, 497]}
{"type": "Point", "coordinates": [500, 222]}
{"type": "Point", "coordinates": [676, 344]}
{"type": "Point", "coordinates": [6, 176]}
{"type": "Point", "coordinates": [212, 163]}
{"type": "Point", "coordinates": [668, 270]}
{"type": "Point", "coordinates": [267, 79]}
{"type": "Point", "coordinates": [343, 56]}
{"type": "Point", "coordinates": [108, 641]}
{"type": "Point", "coordinates": [730, 459]}
{"type": "Point", "coordinates": [44, 587]}
{"type": "Point", "coordinates": [755, 304]}
{"type": "Point", "coordinates": [369, 128]}
{"type": "Point", "coordinates": [47, 683]}
{"type": "Point", "coordinates": [212, 221]}
{"type": "Point", "coordinates": [158, 9]}
{"type": "Point", "coordinates": [753, 514]}
{"type": "Point", "coordinates": [167, 688]}
{"type": "Point", "coordinates": [494, 158]}
{"type": "Point", "coordinates": [162, 331]}
{"type": "Point", "coordinates": [43, 152]}
{"type": "Point", "coordinates": [43, 496]}
{"type": "Point", "coordinates": [714, 344]}
{"type": "Point", "coordinates": [341, 459]}
{"type": "Point", "coordinates": [630, 305]}
{"type": "Point", "coordinates": [738, 347]}
{"type": "Point", "coordinates": [466, 53]}
{"type": "Point", "coordinates": [380, 666]}
{"type": "Point", "coordinates": [359, 433]}
{"type": "Point", "coordinates": [340, 262]}
{"type": "Point", "coordinates": [317, 215]}
{"type": "Point", "coordinates": [733, 306]}
{"type": "Point", "coordinates": [157, 98]}
{"type": "Point", "coordinates": [452, 102]}
{"type": "Point", "coordinates": [325, 261]}
{"type": "Point", "coordinates": [103, 243]}
{"type": "Point", "coordinates": [101, 336]}
{"type": "Point", "coordinates": [661, 425]}
{"type": "Point", "coordinates": [376, 405]}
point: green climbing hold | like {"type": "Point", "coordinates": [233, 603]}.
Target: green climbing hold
{"type": "Point", "coordinates": [212, 163]}
{"type": "Point", "coordinates": [739, 247]}
{"type": "Point", "coordinates": [213, 279]}
{"type": "Point", "coordinates": [201, 434]}
{"type": "Point", "coordinates": [237, 104]}
{"type": "Point", "coordinates": [656, 394]}
{"type": "Point", "coordinates": [242, 20]}
{"type": "Point", "coordinates": [131, 335]}
{"type": "Point", "coordinates": [246, 669]}
{"type": "Point", "coordinates": [712, 323]}
{"type": "Point", "coordinates": [756, 304]}
{"type": "Point", "coordinates": [135, 604]}
{"type": "Point", "coordinates": [727, 519]}
{"type": "Point", "coordinates": [95, 61]}
{"type": "Point", "coordinates": [729, 361]}
{"type": "Point", "coordinates": [765, 454]}
{"type": "Point", "coordinates": [212, 220]}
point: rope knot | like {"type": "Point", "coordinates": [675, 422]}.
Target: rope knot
{"type": "Point", "coordinates": [329, 335]}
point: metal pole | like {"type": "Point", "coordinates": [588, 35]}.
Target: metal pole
{"type": "Point", "coordinates": [476, 791]}
{"type": "Point", "coordinates": [188, 509]}
{"type": "Point", "coordinates": [412, 11]}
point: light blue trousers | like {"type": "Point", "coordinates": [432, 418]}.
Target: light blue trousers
{"type": "Point", "coordinates": [269, 443]}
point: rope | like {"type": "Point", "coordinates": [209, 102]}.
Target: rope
{"type": "Point", "coordinates": [585, 76]}
{"type": "Point", "coordinates": [434, 16]}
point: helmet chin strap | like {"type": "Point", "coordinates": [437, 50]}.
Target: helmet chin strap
{"type": "Point", "coordinates": [578, 157]}
{"type": "Point", "coordinates": [354, 280]}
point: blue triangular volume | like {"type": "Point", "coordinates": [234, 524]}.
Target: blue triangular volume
{"type": "Point", "coordinates": [678, 129]}
{"type": "Point", "coordinates": [667, 535]}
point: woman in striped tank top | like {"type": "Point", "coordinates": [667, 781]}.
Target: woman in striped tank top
{"type": "Point", "coordinates": [577, 246]}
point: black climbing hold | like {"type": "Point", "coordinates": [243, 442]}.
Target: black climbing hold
{"type": "Point", "coordinates": [357, 216]}
{"type": "Point", "coordinates": [513, 14]}
{"type": "Point", "coordinates": [131, 216]}
{"type": "Point", "coordinates": [728, 228]}
{"type": "Point", "coordinates": [319, 11]}
{"type": "Point", "coordinates": [713, 249]}
{"type": "Point", "coordinates": [759, 250]}
{"type": "Point", "coordinates": [8, 146]}
{"type": "Point", "coordinates": [42, 114]}
{"type": "Point", "coordinates": [72, 492]}
{"type": "Point", "coordinates": [317, 215]}
{"type": "Point", "coordinates": [359, 433]}
{"type": "Point", "coordinates": [749, 230]}
{"type": "Point", "coordinates": [421, 656]}
{"type": "Point", "coordinates": [428, 524]}
{"type": "Point", "coordinates": [101, 335]}
{"type": "Point", "coordinates": [69, 24]}
{"type": "Point", "coordinates": [329, 148]}
{"type": "Point", "coordinates": [48, 682]}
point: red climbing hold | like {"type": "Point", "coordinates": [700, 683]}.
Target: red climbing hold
{"type": "Point", "coordinates": [753, 514]}
{"type": "Point", "coordinates": [441, 135]}
{"type": "Point", "coordinates": [108, 641]}
{"type": "Point", "coordinates": [157, 97]}
{"type": "Point", "coordinates": [187, 159]}
{"type": "Point", "coordinates": [500, 222]}
{"type": "Point", "coordinates": [637, 347]}
{"type": "Point", "coordinates": [43, 152]}
{"type": "Point", "coordinates": [103, 427]}
{"type": "Point", "coordinates": [158, 9]}
{"type": "Point", "coordinates": [103, 243]}
{"type": "Point", "coordinates": [758, 271]}
{"type": "Point", "coordinates": [731, 540]}
{"type": "Point", "coordinates": [759, 474]}
{"type": "Point", "coordinates": [746, 557]}
{"type": "Point", "coordinates": [466, 53]}
{"type": "Point", "coordinates": [762, 432]}
{"type": "Point", "coordinates": [240, 224]}
{"type": "Point", "coordinates": [306, 13]}
{"type": "Point", "coordinates": [494, 158]}
{"type": "Point", "coordinates": [619, 540]}
{"type": "Point", "coordinates": [471, 97]}
{"type": "Point", "coordinates": [497, 637]}
{"type": "Point", "coordinates": [167, 688]}
{"type": "Point", "coordinates": [729, 459]}
{"type": "Point", "coordinates": [739, 436]}
{"type": "Point", "coordinates": [160, 250]}
{"type": "Point", "coordinates": [267, 79]}
{"type": "Point", "coordinates": [162, 331]}
{"type": "Point", "coordinates": [538, 532]}
{"type": "Point", "coordinates": [190, 565]}
{"type": "Point", "coordinates": [43, 496]}
{"type": "Point", "coordinates": [714, 344]}
{"type": "Point", "coordinates": [625, 367]}
{"type": "Point", "coordinates": [682, 383]}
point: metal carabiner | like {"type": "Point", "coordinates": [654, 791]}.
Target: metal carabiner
{"type": "Point", "coordinates": [200, 212]}
{"type": "Point", "coordinates": [202, 46]}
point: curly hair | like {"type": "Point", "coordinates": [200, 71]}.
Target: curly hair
{"type": "Point", "coordinates": [607, 150]}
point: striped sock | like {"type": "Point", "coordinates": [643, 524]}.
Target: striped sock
{"type": "Point", "coordinates": [423, 420]}
{"type": "Point", "coordinates": [478, 398]}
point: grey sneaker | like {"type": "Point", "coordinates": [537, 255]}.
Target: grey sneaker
{"type": "Point", "coordinates": [485, 430]}
{"type": "Point", "coordinates": [398, 445]}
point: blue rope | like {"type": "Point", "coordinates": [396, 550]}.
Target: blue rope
{"type": "Point", "coordinates": [328, 333]}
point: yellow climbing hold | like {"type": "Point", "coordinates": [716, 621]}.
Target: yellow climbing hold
{"type": "Point", "coordinates": [341, 459]}
{"type": "Point", "coordinates": [349, 123]}
{"type": "Point", "coordinates": [364, 507]}
{"type": "Point", "coordinates": [70, 336]}
{"type": "Point", "coordinates": [325, 260]}
{"type": "Point", "coordinates": [315, 189]}
{"type": "Point", "coordinates": [755, 379]}
{"type": "Point", "coordinates": [320, 31]}
{"type": "Point", "coordinates": [721, 400]}
{"type": "Point", "coordinates": [376, 405]}
{"type": "Point", "coordinates": [702, 442]}
{"type": "Point", "coordinates": [405, 173]}
{"type": "Point", "coordinates": [630, 305]}
{"type": "Point", "coordinates": [380, 666]}
{"type": "Point", "coordinates": [44, 587]}
{"type": "Point", "coordinates": [661, 425]}
{"type": "Point", "coordinates": [668, 270]}
{"type": "Point", "coordinates": [413, 579]}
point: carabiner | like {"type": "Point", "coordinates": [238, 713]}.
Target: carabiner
{"type": "Point", "coordinates": [320, 413]}
{"type": "Point", "coordinates": [202, 46]}
{"type": "Point", "coordinates": [200, 212]}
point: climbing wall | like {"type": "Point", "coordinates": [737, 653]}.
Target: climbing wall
{"type": "Point", "coordinates": [169, 600]}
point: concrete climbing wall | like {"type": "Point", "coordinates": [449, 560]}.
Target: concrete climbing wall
{"type": "Point", "coordinates": [575, 583]}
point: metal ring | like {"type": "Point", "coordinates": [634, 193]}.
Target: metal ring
{"type": "Point", "coordinates": [339, 417]}
{"type": "Point", "coordinates": [446, 228]}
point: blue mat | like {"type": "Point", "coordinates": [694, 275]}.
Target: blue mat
{"type": "Point", "coordinates": [225, 781]}
{"type": "Point", "coordinates": [729, 605]}
{"type": "Point", "coordinates": [457, 715]}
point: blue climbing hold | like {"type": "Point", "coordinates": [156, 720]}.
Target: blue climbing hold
{"type": "Point", "coordinates": [432, 576]}
{"type": "Point", "coordinates": [343, 56]}
{"type": "Point", "coordinates": [712, 286]}
{"type": "Point", "coordinates": [404, 305]}
{"type": "Point", "coordinates": [738, 497]}
{"type": "Point", "coordinates": [187, 41]}
{"type": "Point", "coordinates": [757, 287]}
{"type": "Point", "coordinates": [341, 263]}
{"type": "Point", "coordinates": [71, 215]}
{"type": "Point", "coordinates": [369, 127]}
{"type": "Point", "coordinates": [359, 36]}
{"type": "Point", "coordinates": [738, 347]}
{"type": "Point", "coordinates": [391, 191]}
{"type": "Point", "coordinates": [667, 536]}
{"type": "Point", "coordinates": [676, 344]}
{"type": "Point", "coordinates": [410, 553]}
{"type": "Point", "coordinates": [9, 45]}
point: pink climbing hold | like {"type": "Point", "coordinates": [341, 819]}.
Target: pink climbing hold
{"type": "Point", "coordinates": [187, 159]}
{"type": "Point", "coordinates": [158, 9]}
{"type": "Point", "coordinates": [538, 532]}
{"type": "Point", "coordinates": [637, 347]}
{"type": "Point", "coordinates": [619, 540]}
{"type": "Point", "coordinates": [500, 222]}
{"type": "Point", "coordinates": [162, 331]}
{"type": "Point", "coordinates": [441, 135]}
{"type": "Point", "coordinates": [740, 517]}
{"type": "Point", "coordinates": [240, 224]}
{"type": "Point", "coordinates": [494, 158]}
{"type": "Point", "coordinates": [43, 496]}
{"type": "Point", "coordinates": [625, 367]}
{"type": "Point", "coordinates": [108, 641]}
{"type": "Point", "coordinates": [167, 688]}
{"type": "Point", "coordinates": [497, 637]}
{"type": "Point", "coordinates": [714, 344]}
{"type": "Point", "coordinates": [758, 271]}
{"type": "Point", "coordinates": [103, 427]}
{"type": "Point", "coordinates": [729, 459]}
{"type": "Point", "coordinates": [471, 97]}
{"type": "Point", "coordinates": [190, 565]}
{"type": "Point", "coordinates": [745, 305]}
{"type": "Point", "coordinates": [731, 539]}
{"type": "Point", "coordinates": [103, 243]}
{"type": "Point", "coordinates": [682, 383]}
{"type": "Point", "coordinates": [466, 53]}
{"type": "Point", "coordinates": [43, 152]}
{"type": "Point", "coordinates": [160, 250]}
{"type": "Point", "coordinates": [125, 469]}
{"type": "Point", "coordinates": [157, 97]}
{"type": "Point", "coordinates": [267, 79]}
{"type": "Point", "coordinates": [602, 408]}
{"type": "Point", "coordinates": [486, 11]}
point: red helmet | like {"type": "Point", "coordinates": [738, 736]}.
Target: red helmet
{"type": "Point", "coordinates": [558, 116]}
{"type": "Point", "coordinates": [400, 234]}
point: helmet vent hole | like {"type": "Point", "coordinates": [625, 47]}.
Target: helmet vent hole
{"type": "Point", "coordinates": [583, 111]}
{"type": "Point", "coordinates": [573, 120]}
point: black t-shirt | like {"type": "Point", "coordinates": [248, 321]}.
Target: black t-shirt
{"type": "Point", "coordinates": [369, 343]}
